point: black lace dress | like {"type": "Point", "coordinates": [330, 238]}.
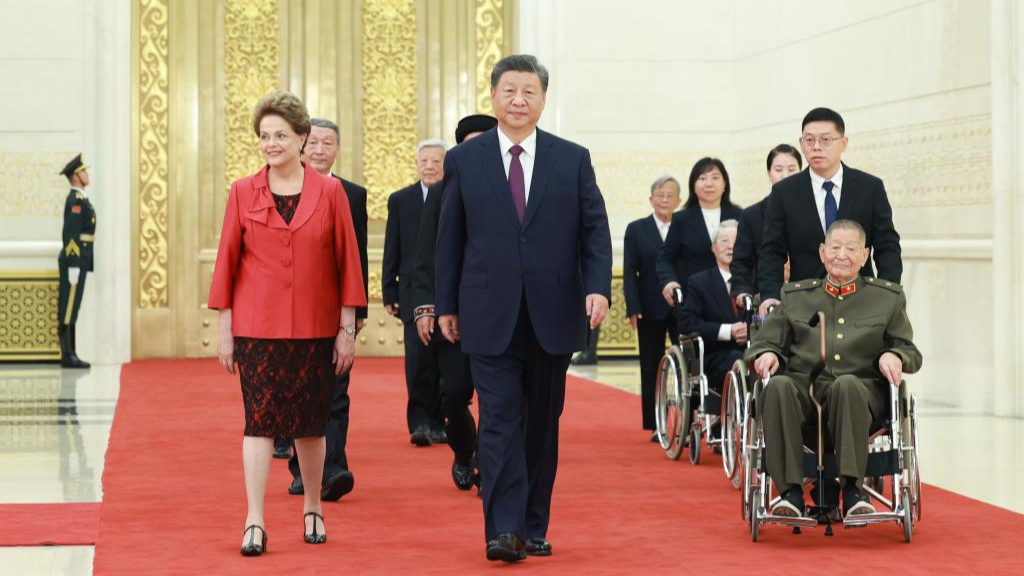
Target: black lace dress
{"type": "Point", "coordinates": [286, 383]}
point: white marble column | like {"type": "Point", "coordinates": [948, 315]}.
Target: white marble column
{"type": "Point", "coordinates": [1008, 224]}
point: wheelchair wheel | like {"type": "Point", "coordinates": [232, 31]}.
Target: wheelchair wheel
{"type": "Point", "coordinates": [915, 463]}
{"type": "Point", "coordinates": [755, 503]}
{"type": "Point", "coordinates": [908, 516]}
{"type": "Point", "coordinates": [732, 422]}
{"type": "Point", "coordinates": [671, 411]}
{"type": "Point", "coordinates": [748, 458]}
{"type": "Point", "coordinates": [695, 443]}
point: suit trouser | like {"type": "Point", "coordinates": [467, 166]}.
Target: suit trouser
{"type": "Point", "coordinates": [521, 393]}
{"type": "Point", "coordinates": [69, 297]}
{"type": "Point", "coordinates": [422, 380]}
{"type": "Point", "coordinates": [716, 365]}
{"type": "Point", "coordinates": [456, 394]}
{"type": "Point", "coordinates": [335, 431]}
{"type": "Point", "coordinates": [651, 335]}
{"type": "Point", "coordinates": [849, 405]}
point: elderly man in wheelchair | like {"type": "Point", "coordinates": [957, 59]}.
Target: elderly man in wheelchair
{"type": "Point", "coordinates": [838, 347]}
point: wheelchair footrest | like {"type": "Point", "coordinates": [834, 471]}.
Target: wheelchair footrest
{"type": "Point", "coordinates": [860, 520]}
{"type": "Point", "coordinates": [794, 522]}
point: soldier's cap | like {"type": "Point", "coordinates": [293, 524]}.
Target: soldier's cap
{"type": "Point", "coordinates": [76, 165]}
{"type": "Point", "coordinates": [474, 123]}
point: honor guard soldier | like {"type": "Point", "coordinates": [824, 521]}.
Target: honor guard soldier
{"type": "Point", "coordinates": [75, 258]}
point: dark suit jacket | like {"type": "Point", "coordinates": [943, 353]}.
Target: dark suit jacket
{"type": "Point", "coordinates": [357, 204]}
{"type": "Point", "coordinates": [423, 267]}
{"type": "Point", "coordinates": [639, 275]}
{"type": "Point", "coordinates": [748, 243]}
{"type": "Point", "coordinates": [400, 237]}
{"type": "Point", "coordinates": [792, 227]}
{"type": "Point", "coordinates": [488, 263]}
{"type": "Point", "coordinates": [707, 306]}
{"type": "Point", "coordinates": [687, 248]}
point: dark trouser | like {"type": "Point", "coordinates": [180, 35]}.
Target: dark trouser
{"type": "Point", "coordinates": [651, 334]}
{"type": "Point", "coordinates": [849, 405]}
{"type": "Point", "coordinates": [456, 394]}
{"type": "Point", "coordinates": [69, 298]}
{"type": "Point", "coordinates": [336, 432]}
{"type": "Point", "coordinates": [716, 365]}
{"type": "Point", "coordinates": [521, 393]}
{"type": "Point", "coordinates": [422, 380]}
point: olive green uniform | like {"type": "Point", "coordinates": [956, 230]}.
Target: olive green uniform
{"type": "Point", "coordinates": [863, 319]}
{"type": "Point", "coordinates": [78, 236]}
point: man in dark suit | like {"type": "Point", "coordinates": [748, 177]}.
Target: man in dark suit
{"type": "Point", "coordinates": [803, 206]}
{"type": "Point", "coordinates": [710, 312]}
{"type": "Point", "coordinates": [422, 377]}
{"type": "Point", "coordinates": [456, 382]}
{"type": "Point", "coordinates": [524, 255]}
{"type": "Point", "coordinates": [647, 311]}
{"type": "Point", "coordinates": [75, 259]}
{"type": "Point", "coordinates": [321, 151]}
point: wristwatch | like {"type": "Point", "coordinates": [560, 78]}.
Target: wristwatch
{"type": "Point", "coordinates": [350, 330]}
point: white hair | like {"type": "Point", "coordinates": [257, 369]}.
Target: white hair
{"type": "Point", "coordinates": [722, 226]}
{"type": "Point", "coordinates": [431, 143]}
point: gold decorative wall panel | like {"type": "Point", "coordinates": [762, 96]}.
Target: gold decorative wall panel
{"type": "Point", "coordinates": [389, 100]}
{"type": "Point", "coordinates": [251, 61]}
{"type": "Point", "coordinates": [490, 47]}
{"type": "Point", "coordinates": [617, 337]}
{"type": "Point", "coordinates": [28, 315]}
{"type": "Point", "coordinates": [152, 77]}
{"type": "Point", "coordinates": [30, 185]}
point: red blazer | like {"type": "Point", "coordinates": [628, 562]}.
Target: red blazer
{"type": "Point", "coordinates": [287, 280]}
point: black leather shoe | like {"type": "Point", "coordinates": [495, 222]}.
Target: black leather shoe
{"type": "Point", "coordinates": [296, 488]}
{"type": "Point", "coordinates": [251, 548]}
{"type": "Point", "coordinates": [538, 547]}
{"type": "Point", "coordinates": [654, 437]}
{"type": "Point", "coordinates": [337, 486]}
{"type": "Point", "coordinates": [313, 537]}
{"type": "Point", "coordinates": [420, 435]}
{"type": "Point", "coordinates": [438, 436]}
{"type": "Point", "coordinates": [282, 451]}
{"type": "Point", "coordinates": [507, 547]}
{"type": "Point", "coordinates": [585, 358]}
{"type": "Point", "coordinates": [463, 476]}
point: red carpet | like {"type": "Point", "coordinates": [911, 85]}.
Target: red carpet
{"type": "Point", "coordinates": [71, 524]}
{"type": "Point", "coordinates": [174, 499]}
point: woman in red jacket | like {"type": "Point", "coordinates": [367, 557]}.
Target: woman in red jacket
{"type": "Point", "coordinates": [287, 282]}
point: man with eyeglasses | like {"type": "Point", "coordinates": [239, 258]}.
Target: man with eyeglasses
{"type": "Point", "coordinates": [802, 207]}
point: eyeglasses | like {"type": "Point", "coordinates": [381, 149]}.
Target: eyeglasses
{"type": "Point", "coordinates": [661, 196]}
{"type": "Point", "coordinates": [825, 141]}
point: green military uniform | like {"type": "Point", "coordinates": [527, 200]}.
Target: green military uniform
{"type": "Point", "coordinates": [863, 319]}
{"type": "Point", "coordinates": [78, 237]}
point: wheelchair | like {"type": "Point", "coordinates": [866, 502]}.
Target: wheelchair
{"type": "Point", "coordinates": [893, 463]}
{"type": "Point", "coordinates": [683, 399]}
{"type": "Point", "coordinates": [734, 392]}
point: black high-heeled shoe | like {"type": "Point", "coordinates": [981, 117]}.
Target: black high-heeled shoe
{"type": "Point", "coordinates": [313, 538]}
{"type": "Point", "coordinates": [252, 548]}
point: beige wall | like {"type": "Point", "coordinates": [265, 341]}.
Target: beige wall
{"type": "Point", "coordinates": [652, 86]}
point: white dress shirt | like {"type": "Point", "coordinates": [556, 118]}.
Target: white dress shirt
{"type": "Point", "coordinates": [662, 227]}
{"type": "Point", "coordinates": [526, 157]}
{"type": "Point", "coordinates": [725, 331]}
{"type": "Point", "coordinates": [819, 192]}
{"type": "Point", "coordinates": [712, 218]}
{"type": "Point", "coordinates": [425, 190]}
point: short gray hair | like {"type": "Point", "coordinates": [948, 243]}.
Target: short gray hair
{"type": "Point", "coordinates": [723, 225]}
{"type": "Point", "coordinates": [520, 63]}
{"type": "Point", "coordinates": [848, 225]}
{"type": "Point", "coordinates": [662, 180]}
{"type": "Point", "coordinates": [431, 143]}
{"type": "Point", "coordinates": [326, 124]}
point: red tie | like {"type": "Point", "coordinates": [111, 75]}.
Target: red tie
{"type": "Point", "coordinates": [516, 182]}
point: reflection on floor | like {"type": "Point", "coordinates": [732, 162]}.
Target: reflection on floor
{"type": "Point", "coordinates": [54, 426]}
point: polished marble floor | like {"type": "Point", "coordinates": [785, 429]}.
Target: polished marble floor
{"type": "Point", "coordinates": [54, 426]}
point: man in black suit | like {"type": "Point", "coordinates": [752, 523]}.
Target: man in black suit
{"type": "Point", "coordinates": [709, 311]}
{"type": "Point", "coordinates": [456, 382]}
{"type": "Point", "coordinates": [422, 376]}
{"type": "Point", "coordinates": [321, 151]}
{"type": "Point", "coordinates": [803, 206]}
{"type": "Point", "coordinates": [524, 255]}
{"type": "Point", "coordinates": [647, 311]}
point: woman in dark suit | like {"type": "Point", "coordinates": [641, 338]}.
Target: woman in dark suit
{"type": "Point", "coordinates": [648, 314]}
{"type": "Point", "coordinates": [287, 282]}
{"type": "Point", "coordinates": [687, 249]}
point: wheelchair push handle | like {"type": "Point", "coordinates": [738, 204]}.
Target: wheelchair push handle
{"type": "Point", "coordinates": [747, 312]}
{"type": "Point", "coordinates": [677, 296]}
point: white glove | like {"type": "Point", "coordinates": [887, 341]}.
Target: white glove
{"type": "Point", "coordinates": [73, 274]}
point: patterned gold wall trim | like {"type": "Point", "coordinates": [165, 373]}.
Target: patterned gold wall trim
{"type": "Point", "coordinates": [28, 315]}
{"type": "Point", "coordinates": [153, 153]}
{"type": "Point", "coordinates": [251, 61]}
{"type": "Point", "coordinates": [490, 43]}
{"type": "Point", "coordinates": [389, 101]}
{"type": "Point", "coordinates": [617, 338]}
{"type": "Point", "coordinates": [30, 185]}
